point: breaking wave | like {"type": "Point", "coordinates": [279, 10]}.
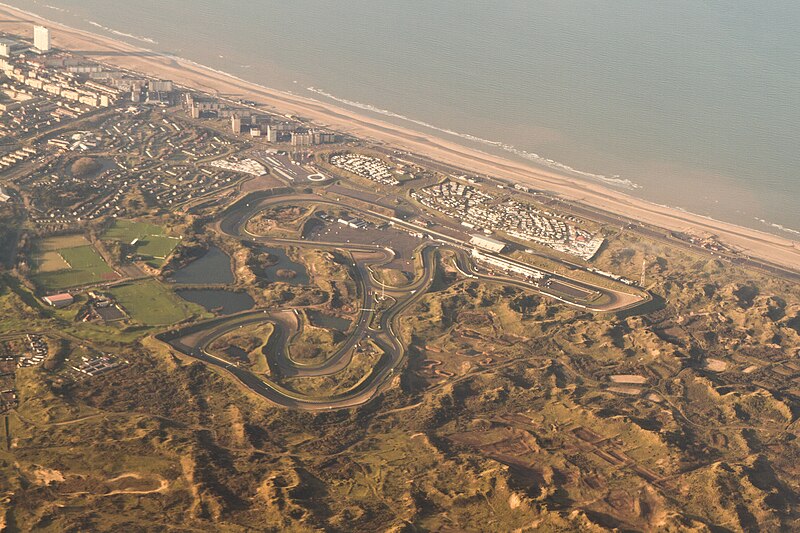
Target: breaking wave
{"type": "Point", "coordinates": [122, 34]}
{"type": "Point", "coordinates": [530, 156]}
{"type": "Point", "coordinates": [778, 226]}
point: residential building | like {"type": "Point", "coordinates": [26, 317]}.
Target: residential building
{"type": "Point", "coordinates": [41, 38]}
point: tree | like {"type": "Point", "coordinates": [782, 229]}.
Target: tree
{"type": "Point", "coordinates": [85, 167]}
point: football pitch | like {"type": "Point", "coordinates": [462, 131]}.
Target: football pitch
{"type": "Point", "coordinates": [150, 239]}
{"type": "Point", "coordinates": [80, 265]}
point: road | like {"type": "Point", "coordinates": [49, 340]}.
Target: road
{"type": "Point", "coordinates": [195, 340]}
{"type": "Point", "coordinates": [230, 224]}
{"type": "Point", "coordinates": [601, 216]}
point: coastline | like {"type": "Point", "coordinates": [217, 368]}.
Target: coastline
{"type": "Point", "coordinates": [534, 158]}
{"type": "Point", "coordinates": [779, 250]}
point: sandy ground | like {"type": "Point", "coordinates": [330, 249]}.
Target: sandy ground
{"type": "Point", "coordinates": [765, 246]}
{"type": "Point", "coordinates": [715, 365]}
{"type": "Point", "coordinates": [163, 485]}
{"type": "Point", "coordinates": [629, 379]}
{"type": "Point", "coordinates": [46, 476]}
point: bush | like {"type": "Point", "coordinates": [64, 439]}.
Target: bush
{"type": "Point", "coordinates": [85, 166]}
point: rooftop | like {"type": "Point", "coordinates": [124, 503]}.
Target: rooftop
{"type": "Point", "coordinates": [63, 297]}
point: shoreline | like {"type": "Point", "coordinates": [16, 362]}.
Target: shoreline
{"type": "Point", "coordinates": [535, 159]}
{"type": "Point", "coordinates": [766, 246]}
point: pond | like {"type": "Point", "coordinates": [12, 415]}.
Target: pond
{"type": "Point", "coordinates": [213, 267]}
{"type": "Point", "coordinates": [280, 267]}
{"type": "Point", "coordinates": [219, 301]}
{"type": "Point", "coordinates": [322, 320]}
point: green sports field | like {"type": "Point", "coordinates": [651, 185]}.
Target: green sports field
{"type": "Point", "coordinates": [84, 266]}
{"type": "Point", "coordinates": [152, 303]}
{"type": "Point", "coordinates": [151, 239]}
{"type": "Point", "coordinates": [157, 247]}
{"type": "Point", "coordinates": [127, 230]}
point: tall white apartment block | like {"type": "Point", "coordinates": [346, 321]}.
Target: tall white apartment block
{"type": "Point", "coordinates": [41, 38]}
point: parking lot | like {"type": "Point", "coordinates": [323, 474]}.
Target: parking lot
{"type": "Point", "coordinates": [283, 167]}
{"type": "Point", "coordinates": [401, 242]}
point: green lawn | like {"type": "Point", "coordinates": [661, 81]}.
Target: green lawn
{"type": "Point", "coordinates": [127, 230]}
{"type": "Point", "coordinates": [152, 241]}
{"type": "Point", "coordinates": [152, 303]}
{"type": "Point", "coordinates": [86, 266]}
{"type": "Point", "coordinates": [157, 246]}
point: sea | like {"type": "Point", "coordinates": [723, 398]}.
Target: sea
{"type": "Point", "coordinates": [694, 104]}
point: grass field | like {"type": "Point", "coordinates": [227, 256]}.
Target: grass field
{"type": "Point", "coordinates": [64, 241]}
{"type": "Point", "coordinates": [151, 239]}
{"type": "Point", "coordinates": [127, 230]}
{"type": "Point", "coordinates": [156, 246]}
{"type": "Point", "coordinates": [50, 261]}
{"type": "Point", "coordinates": [83, 265]}
{"type": "Point", "coordinates": [152, 303]}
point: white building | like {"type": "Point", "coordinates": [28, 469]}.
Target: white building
{"type": "Point", "coordinates": [507, 265]}
{"type": "Point", "coordinates": [272, 134]}
{"type": "Point", "coordinates": [160, 86]}
{"type": "Point", "coordinates": [11, 47]}
{"type": "Point", "coordinates": [41, 38]}
{"type": "Point", "coordinates": [486, 243]}
{"type": "Point", "coordinates": [59, 300]}
{"type": "Point", "coordinates": [4, 197]}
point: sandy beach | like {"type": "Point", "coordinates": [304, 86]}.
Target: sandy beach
{"type": "Point", "coordinates": [765, 246]}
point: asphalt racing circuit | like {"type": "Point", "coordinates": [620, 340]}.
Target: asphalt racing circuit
{"type": "Point", "coordinates": [376, 322]}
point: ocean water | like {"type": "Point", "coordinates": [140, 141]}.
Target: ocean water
{"type": "Point", "coordinates": [692, 104]}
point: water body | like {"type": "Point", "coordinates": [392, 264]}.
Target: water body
{"type": "Point", "coordinates": [214, 267]}
{"type": "Point", "coordinates": [283, 264]}
{"type": "Point", "coordinates": [689, 104]}
{"type": "Point", "coordinates": [322, 320]}
{"type": "Point", "coordinates": [218, 300]}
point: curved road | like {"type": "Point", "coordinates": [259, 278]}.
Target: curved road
{"type": "Point", "coordinates": [195, 340]}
